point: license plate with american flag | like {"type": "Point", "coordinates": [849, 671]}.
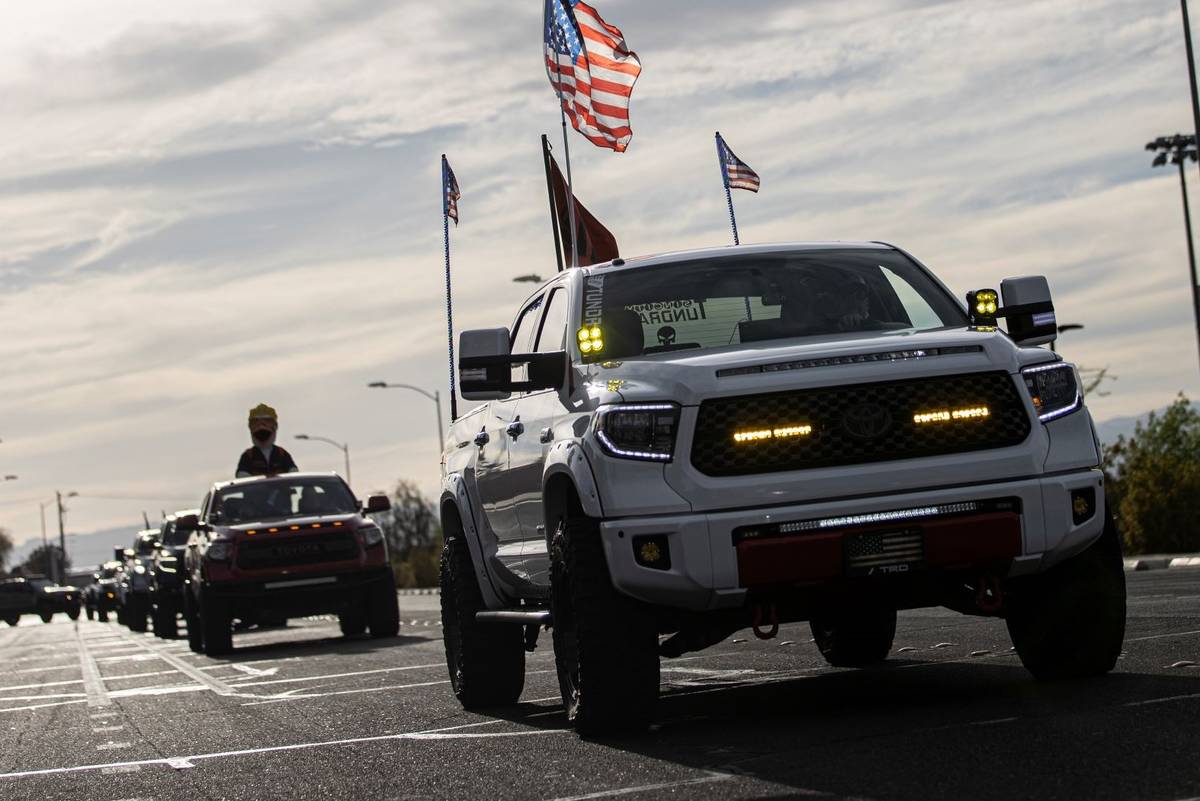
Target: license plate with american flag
{"type": "Point", "coordinates": [872, 553]}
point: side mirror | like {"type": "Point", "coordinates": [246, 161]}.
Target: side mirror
{"type": "Point", "coordinates": [1029, 310]}
{"type": "Point", "coordinates": [118, 553]}
{"type": "Point", "coordinates": [485, 366]}
{"type": "Point", "coordinates": [377, 504]}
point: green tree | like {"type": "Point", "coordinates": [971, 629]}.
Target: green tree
{"type": "Point", "coordinates": [1153, 481]}
{"type": "Point", "coordinates": [6, 546]}
{"type": "Point", "coordinates": [414, 536]}
{"type": "Point", "coordinates": [39, 560]}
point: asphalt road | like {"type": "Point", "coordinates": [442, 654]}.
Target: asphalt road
{"type": "Point", "coordinates": [91, 711]}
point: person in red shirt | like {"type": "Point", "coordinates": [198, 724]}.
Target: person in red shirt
{"type": "Point", "coordinates": [264, 457]}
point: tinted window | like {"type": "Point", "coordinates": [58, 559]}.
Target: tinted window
{"type": "Point", "coordinates": [522, 334]}
{"type": "Point", "coordinates": [281, 498]}
{"type": "Point", "coordinates": [554, 323]}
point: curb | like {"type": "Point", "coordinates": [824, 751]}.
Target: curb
{"type": "Point", "coordinates": [1162, 562]}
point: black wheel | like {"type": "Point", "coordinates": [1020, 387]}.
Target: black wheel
{"type": "Point", "coordinates": [191, 619]}
{"type": "Point", "coordinates": [383, 608]}
{"type": "Point", "coordinates": [605, 644]}
{"type": "Point", "coordinates": [136, 615]}
{"type": "Point", "coordinates": [486, 662]}
{"type": "Point", "coordinates": [46, 616]}
{"type": "Point", "coordinates": [73, 612]}
{"type": "Point", "coordinates": [91, 613]}
{"type": "Point", "coordinates": [165, 624]}
{"type": "Point", "coordinates": [1069, 622]}
{"type": "Point", "coordinates": [216, 626]}
{"type": "Point", "coordinates": [855, 638]}
{"type": "Point", "coordinates": [353, 621]}
{"type": "Point", "coordinates": [12, 620]}
{"type": "Point", "coordinates": [102, 615]}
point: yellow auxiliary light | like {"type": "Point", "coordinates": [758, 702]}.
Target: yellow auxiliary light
{"type": "Point", "coordinates": [650, 552]}
{"type": "Point", "coordinates": [782, 432]}
{"type": "Point", "coordinates": [947, 415]}
{"type": "Point", "coordinates": [591, 339]}
{"type": "Point", "coordinates": [984, 304]}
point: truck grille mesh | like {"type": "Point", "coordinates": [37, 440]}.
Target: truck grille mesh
{"type": "Point", "coordinates": [858, 424]}
{"type": "Point", "coordinates": [287, 551]}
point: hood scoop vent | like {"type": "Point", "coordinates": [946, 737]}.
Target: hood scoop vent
{"type": "Point", "coordinates": [853, 358]}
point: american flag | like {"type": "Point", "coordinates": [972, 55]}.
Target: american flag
{"type": "Point", "coordinates": [592, 71]}
{"type": "Point", "coordinates": [735, 172]}
{"type": "Point", "coordinates": [450, 193]}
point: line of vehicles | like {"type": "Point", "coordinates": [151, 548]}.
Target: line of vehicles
{"type": "Point", "coordinates": [258, 551]}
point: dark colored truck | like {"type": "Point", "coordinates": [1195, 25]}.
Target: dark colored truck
{"type": "Point", "coordinates": [100, 597]}
{"type": "Point", "coordinates": [36, 597]}
{"type": "Point", "coordinates": [133, 588]}
{"type": "Point", "coordinates": [272, 548]}
{"type": "Point", "coordinates": [167, 572]}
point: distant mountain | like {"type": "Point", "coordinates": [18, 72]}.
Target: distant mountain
{"type": "Point", "coordinates": [84, 550]}
{"type": "Point", "coordinates": [1110, 429]}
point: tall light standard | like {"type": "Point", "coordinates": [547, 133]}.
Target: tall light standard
{"type": "Point", "coordinates": [1177, 150]}
{"type": "Point", "coordinates": [343, 447]}
{"type": "Point", "coordinates": [62, 536]}
{"type": "Point", "coordinates": [436, 397]}
{"type": "Point", "coordinates": [1064, 328]}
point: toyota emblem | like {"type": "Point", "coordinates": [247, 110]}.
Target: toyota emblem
{"type": "Point", "coordinates": [867, 421]}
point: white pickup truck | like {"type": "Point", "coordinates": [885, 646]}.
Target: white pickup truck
{"type": "Point", "coordinates": [674, 448]}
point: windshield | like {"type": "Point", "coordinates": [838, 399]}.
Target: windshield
{"type": "Point", "coordinates": [250, 503]}
{"type": "Point", "coordinates": [176, 533]}
{"type": "Point", "coordinates": [741, 299]}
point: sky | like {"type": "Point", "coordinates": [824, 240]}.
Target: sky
{"type": "Point", "coordinates": [209, 204]}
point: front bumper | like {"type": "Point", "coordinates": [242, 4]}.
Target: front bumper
{"type": "Point", "coordinates": [706, 572]}
{"type": "Point", "coordinates": [295, 596]}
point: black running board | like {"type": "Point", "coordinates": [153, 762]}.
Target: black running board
{"type": "Point", "coordinates": [526, 617]}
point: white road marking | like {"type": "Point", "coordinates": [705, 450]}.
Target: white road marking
{"type": "Point", "coordinates": [440, 665]}
{"type": "Point", "coordinates": [709, 778]}
{"type": "Point", "coordinates": [1163, 700]}
{"type": "Point", "coordinates": [93, 684]}
{"type": "Point", "coordinates": [39, 686]}
{"type": "Point", "coordinates": [451, 732]}
{"type": "Point", "coordinates": [179, 763]}
{"type": "Point", "coordinates": [113, 746]}
{"type": "Point", "coordinates": [279, 699]}
{"type": "Point", "coordinates": [123, 769]}
{"type": "Point", "coordinates": [254, 671]}
{"type": "Point", "coordinates": [102, 729]}
{"type": "Point", "coordinates": [216, 685]}
{"type": "Point", "coordinates": [1161, 636]}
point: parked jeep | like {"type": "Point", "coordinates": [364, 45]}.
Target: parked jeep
{"type": "Point", "coordinates": [269, 548]}
{"type": "Point", "coordinates": [700, 442]}
{"type": "Point", "coordinates": [100, 597]}
{"type": "Point", "coordinates": [133, 588]}
{"type": "Point", "coordinates": [167, 574]}
{"type": "Point", "coordinates": [36, 596]}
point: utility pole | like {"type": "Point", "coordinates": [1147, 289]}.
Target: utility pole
{"type": "Point", "coordinates": [62, 542]}
{"type": "Point", "coordinates": [1177, 150]}
{"type": "Point", "coordinates": [46, 543]}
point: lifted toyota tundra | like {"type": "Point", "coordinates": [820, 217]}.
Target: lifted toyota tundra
{"type": "Point", "coordinates": [269, 548]}
{"type": "Point", "coordinates": [690, 444]}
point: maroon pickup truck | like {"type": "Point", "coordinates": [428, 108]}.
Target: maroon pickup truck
{"type": "Point", "coordinates": [270, 548]}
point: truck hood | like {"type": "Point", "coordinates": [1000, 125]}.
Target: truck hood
{"type": "Point", "coordinates": [689, 377]}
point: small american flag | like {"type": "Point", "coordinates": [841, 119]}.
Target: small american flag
{"type": "Point", "coordinates": [735, 172]}
{"type": "Point", "coordinates": [450, 193]}
{"type": "Point", "coordinates": [592, 71]}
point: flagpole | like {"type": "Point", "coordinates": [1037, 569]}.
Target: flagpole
{"type": "Point", "coordinates": [570, 186]}
{"type": "Point", "coordinates": [728, 194]}
{"type": "Point", "coordinates": [449, 304]}
{"type": "Point", "coordinates": [553, 205]}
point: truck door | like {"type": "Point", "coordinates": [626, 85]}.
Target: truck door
{"type": "Point", "coordinates": [498, 488]}
{"type": "Point", "coordinates": [538, 413]}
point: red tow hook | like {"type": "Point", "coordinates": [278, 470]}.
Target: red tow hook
{"type": "Point", "coordinates": [772, 615]}
{"type": "Point", "coordinates": [990, 596]}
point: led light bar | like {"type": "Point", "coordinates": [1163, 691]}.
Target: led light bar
{"type": "Point", "coordinates": [783, 432]}
{"type": "Point", "coordinates": [946, 415]}
{"type": "Point", "coordinates": [879, 517]}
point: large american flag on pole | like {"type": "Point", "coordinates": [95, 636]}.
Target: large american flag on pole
{"type": "Point", "coordinates": [735, 172]}
{"type": "Point", "coordinates": [450, 193]}
{"type": "Point", "coordinates": [592, 71]}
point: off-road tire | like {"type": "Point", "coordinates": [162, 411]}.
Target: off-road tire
{"type": "Point", "coordinates": [1069, 622]}
{"type": "Point", "coordinates": [46, 615]}
{"type": "Point", "coordinates": [855, 638]}
{"type": "Point", "coordinates": [383, 608]}
{"type": "Point", "coordinates": [12, 620]}
{"type": "Point", "coordinates": [165, 624]}
{"type": "Point", "coordinates": [137, 614]}
{"type": "Point", "coordinates": [91, 613]}
{"type": "Point", "coordinates": [102, 615]}
{"type": "Point", "coordinates": [191, 619]}
{"type": "Point", "coordinates": [216, 626]}
{"type": "Point", "coordinates": [353, 621]}
{"type": "Point", "coordinates": [486, 661]}
{"type": "Point", "coordinates": [605, 644]}
{"type": "Point", "coordinates": [73, 612]}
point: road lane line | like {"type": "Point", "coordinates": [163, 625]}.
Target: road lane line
{"type": "Point", "coordinates": [39, 686]}
{"type": "Point", "coordinates": [439, 665]}
{"type": "Point", "coordinates": [216, 685]}
{"type": "Point", "coordinates": [93, 684]}
{"type": "Point", "coordinates": [1161, 636]}
{"type": "Point", "coordinates": [709, 778]}
{"type": "Point", "coordinates": [1163, 700]}
{"type": "Point", "coordinates": [450, 732]}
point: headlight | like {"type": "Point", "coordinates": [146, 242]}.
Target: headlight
{"type": "Point", "coordinates": [219, 551]}
{"type": "Point", "coordinates": [638, 430]}
{"type": "Point", "coordinates": [139, 569]}
{"type": "Point", "coordinates": [372, 535]}
{"type": "Point", "coordinates": [1054, 389]}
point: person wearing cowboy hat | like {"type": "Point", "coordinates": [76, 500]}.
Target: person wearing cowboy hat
{"type": "Point", "coordinates": [264, 457]}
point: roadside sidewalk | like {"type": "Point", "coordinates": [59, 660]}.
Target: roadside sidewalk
{"type": "Point", "coordinates": [1162, 561]}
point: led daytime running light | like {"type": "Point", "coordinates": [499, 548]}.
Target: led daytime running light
{"type": "Point", "coordinates": [783, 432]}
{"type": "Point", "coordinates": [946, 415]}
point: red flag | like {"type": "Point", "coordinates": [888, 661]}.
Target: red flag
{"type": "Point", "coordinates": [595, 243]}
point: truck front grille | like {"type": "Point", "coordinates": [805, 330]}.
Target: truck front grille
{"type": "Point", "coordinates": [857, 424]}
{"type": "Point", "coordinates": [288, 551]}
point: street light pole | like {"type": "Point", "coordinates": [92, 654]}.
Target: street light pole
{"type": "Point", "coordinates": [1178, 149]}
{"type": "Point", "coordinates": [45, 543]}
{"type": "Point", "coordinates": [62, 542]}
{"type": "Point", "coordinates": [436, 397]}
{"type": "Point", "coordinates": [343, 447]}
